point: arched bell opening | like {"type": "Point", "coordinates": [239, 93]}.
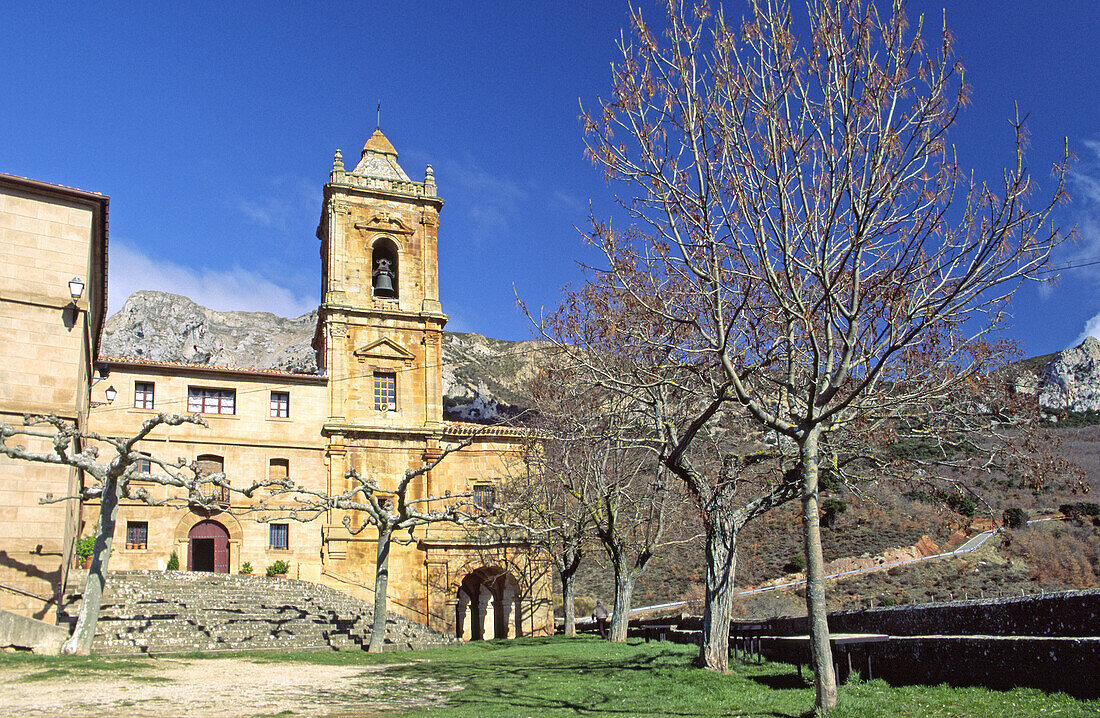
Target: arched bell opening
{"type": "Point", "coordinates": [383, 263]}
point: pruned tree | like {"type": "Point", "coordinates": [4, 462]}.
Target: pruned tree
{"type": "Point", "coordinates": [110, 479]}
{"type": "Point", "coordinates": [391, 512]}
{"type": "Point", "coordinates": [803, 231]}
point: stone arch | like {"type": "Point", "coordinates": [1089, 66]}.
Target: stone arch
{"type": "Point", "coordinates": [488, 605]}
{"type": "Point", "coordinates": [229, 522]}
{"type": "Point", "coordinates": [187, 522]}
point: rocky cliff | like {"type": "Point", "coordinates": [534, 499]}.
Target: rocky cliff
{"type": "Point", "coordinates": [1071, 380]}
{"type": "Point", "coordinates": [483, 379]}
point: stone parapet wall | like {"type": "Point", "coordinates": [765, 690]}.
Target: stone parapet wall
{"type": "Point", "coordinates": [1069, 613]}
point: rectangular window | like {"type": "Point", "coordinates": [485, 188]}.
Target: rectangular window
{"type": "Point", "coordinates": [385, 391]}
{"type": "Point", "coordinates": [137, 534]}
{"type": "Point", "coordinates": [144, 466]}
{"type": "Point", "coordinates": [211, 401]}
{"type": "Point", "coordinates": [280, 404]}
{"type": "Point", "coordinates": [278, 469]}
{"type": "Point", "coordinates": [143, 395]}
{"type": "Point", "coordinates": [483, 496]}
{"type": "Point", "coordinates": [280, 537]}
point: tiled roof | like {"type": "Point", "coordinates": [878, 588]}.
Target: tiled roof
{"type": "Point", "coordinates": [467, 428]}
{"type": "Point", "coordinates": [130, 361]}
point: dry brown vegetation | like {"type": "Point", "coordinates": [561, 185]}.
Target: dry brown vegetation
{"type": "Point", "coordinates": [1048, 556]}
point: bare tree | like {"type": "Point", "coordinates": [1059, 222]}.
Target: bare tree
{"type": "Point", "coordinates": [549, 497]}
{"type": "Point", "coordinates": [599, 443]}
{"type": "Point", "coordinates": [805, 232]}
{"type": "Point", "coordinates": [732, 471]}
{"type": "Point", "coordinates": [390, 512]}
{"type": "Point", "coordinates": [112, 479]}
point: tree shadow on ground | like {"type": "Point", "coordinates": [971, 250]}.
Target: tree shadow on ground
{"type": "Point", "coordinates": [781, 681]}
{"type": "Point", "coordinates": [577, 685]}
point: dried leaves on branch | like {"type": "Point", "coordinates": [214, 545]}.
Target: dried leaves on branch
{"type": "Point", "coordinates": [804, 243]}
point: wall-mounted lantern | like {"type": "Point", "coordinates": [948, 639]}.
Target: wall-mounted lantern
{"type": "Point", "coordinates": [76, 288]}
{"type": "Point", "coordinates": [111, 393]}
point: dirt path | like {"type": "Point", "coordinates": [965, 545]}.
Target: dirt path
{"type": "Point", "coordinates": [213, 687]}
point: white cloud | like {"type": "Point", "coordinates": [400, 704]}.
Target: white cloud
{"type": "Point", "coordinates": [494, 202]}
{"type": "Point", "coordinates": [220, 289]}
{"type": "Point", "coordinates": [1092, 329]}
{"type": "Point", "coordinates": [562, 200]}
{"type": "Point", "coordinates": [286, 202]}
{"type": "Point", "coordinates": [1084, 186]}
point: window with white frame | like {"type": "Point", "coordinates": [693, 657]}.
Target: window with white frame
{"type": "Point", "coordinates": [211, 401]}
{"type": "Point", "coordinates": [280, 404]}
{"type": "Point", "coordinates": [143, 395]}
{"type": "Point", "coordinates": [385, 391]}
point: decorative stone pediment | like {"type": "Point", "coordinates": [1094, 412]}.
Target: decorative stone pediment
{"type": "Point", "coordinates": [385, 222]}
{"type": "Point", "coordinates": [386, 349]}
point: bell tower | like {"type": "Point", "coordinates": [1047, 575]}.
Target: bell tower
{"type": "Point", "coordinates": [380, 324]}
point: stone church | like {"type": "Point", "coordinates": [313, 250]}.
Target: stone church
{"type": "Point", "coordinates": [375, 405]}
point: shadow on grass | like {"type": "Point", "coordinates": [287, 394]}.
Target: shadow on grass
{"type": "Point", "coordinates": [589, 678]}
{"type": "Point", "coordinates": [781, 681]}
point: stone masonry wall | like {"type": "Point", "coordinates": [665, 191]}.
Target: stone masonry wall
{"type": "Point", "coordinates": [1071, 613]}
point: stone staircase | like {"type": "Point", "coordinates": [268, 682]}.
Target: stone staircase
{"type": "Point", "coordinates": [179, 612]}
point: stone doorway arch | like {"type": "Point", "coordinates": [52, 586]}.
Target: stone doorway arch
{"type": "Point", "coordinates": [208, 547]}
{"type": "Point", "coordinates": [488, 605]}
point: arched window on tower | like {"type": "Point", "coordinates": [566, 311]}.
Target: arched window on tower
{"type": "Point", "coordinates": [384, 269]}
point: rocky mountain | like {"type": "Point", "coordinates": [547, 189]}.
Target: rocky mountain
{"type": "Point", "coordinates": [1071, 380]}
{"type": "Point", "coordinates": [483, 379]}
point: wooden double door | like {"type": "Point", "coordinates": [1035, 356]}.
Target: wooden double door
{"type": "Point", "coordinates": [208, 547]}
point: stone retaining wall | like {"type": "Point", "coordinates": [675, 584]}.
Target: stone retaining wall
{"type": "Point", "coordinates": [1070, 613]}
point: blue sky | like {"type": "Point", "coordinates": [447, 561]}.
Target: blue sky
{"type": "Point", "coordinates": [212, 128]}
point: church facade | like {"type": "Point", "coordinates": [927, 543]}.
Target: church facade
{"type": "Point", "coordinates": [375, 405]}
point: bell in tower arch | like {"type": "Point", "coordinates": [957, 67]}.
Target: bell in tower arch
{"type": "Point", "coordinates": [383, 276]}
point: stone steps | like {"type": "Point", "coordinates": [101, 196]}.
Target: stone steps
{"type": "Point", "coordinates": [178, 612]}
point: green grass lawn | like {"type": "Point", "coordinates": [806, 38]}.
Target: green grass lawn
{"type": "Point", "coordinates": [548, 677]}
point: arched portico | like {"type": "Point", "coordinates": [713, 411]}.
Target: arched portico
{"type": "Point", "coordinates": [488, 605]}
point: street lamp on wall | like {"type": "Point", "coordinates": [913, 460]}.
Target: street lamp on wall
{"type": "Point", "coordinates": [76, 288]}
{"type": "Point", "coordinates": [111, 393]}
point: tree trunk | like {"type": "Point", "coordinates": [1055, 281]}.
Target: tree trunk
{"type": "Point", "coordinates": [714, 644]}
{"type": "Point", "coordinates": [624, 589]}
{"type": "Point", "coordinates": [381, 584]}
{"type": "Point", "coordinates": [824, 676]}
{"type": "Point", "coordinates": [572, 561]}
{"type": "Point", "coordinates": [80, 643]}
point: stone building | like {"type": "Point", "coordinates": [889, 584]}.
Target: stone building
{"type": "Point", "coordinates": [49, 333]}
{"type": "Point", "coordinates": [375, 405]}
